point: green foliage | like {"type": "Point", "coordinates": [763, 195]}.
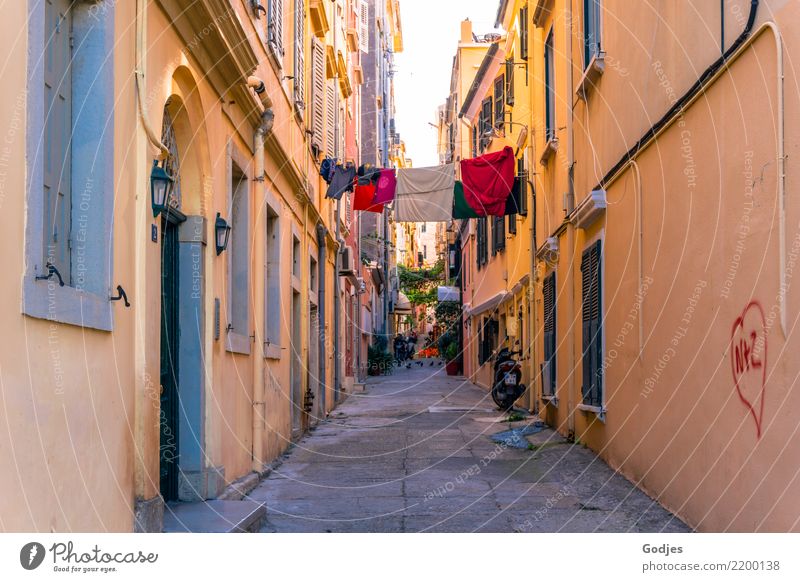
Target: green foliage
{"type": "Point", "coordinates": [420, 285]}
{"type": "Point", "coordinates": [451, 352]}
{"type": "Point", "coordinates": [448, 315]}
{"type": "Point", "coordinates": [379, 361]}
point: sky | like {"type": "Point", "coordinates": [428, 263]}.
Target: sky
{"type": "Point", "coordinates": [431, 29]}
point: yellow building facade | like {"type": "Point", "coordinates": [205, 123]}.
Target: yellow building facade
{"type": "Point", "coordinates": [654, 270]}
{"type": "Point", "coordinates": [165, 367]}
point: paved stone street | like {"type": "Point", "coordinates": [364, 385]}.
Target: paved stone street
{"type": "Point", "coordinates": [413, 453]}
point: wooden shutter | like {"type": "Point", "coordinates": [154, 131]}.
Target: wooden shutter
{"type": "Point", "coordinates": [275, 27]}
{"type": "Point", "coordinates": [549, 292]}
{"type": "Point", "coordinates": [550, 90]}
{"type": "Point", "coordinates": [363, 26]}
{"type": "Point", "coordinates": [523, 33]}
{"type": "Point", "coordinates": [330, 133]}
{"type": "Point", "coordinates": [522, 175]}
{"type": "Point", "coordinates": [58, 128]}
{"type": "Point", "coordinates": [592, 325]}
{"type": "Point", "coordinates": [299, 53]}
{"type": "Point", "coordinates": [510, 81]}
{"type": "Point", "coordinates": [499, 102]}
{"type": "Point", "coordinates": [498, 234]}
{"type": "Point", "coordinates": [317, 94]}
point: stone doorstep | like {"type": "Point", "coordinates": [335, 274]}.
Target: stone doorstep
{"type": "Point", "coordinates": [215, 516]}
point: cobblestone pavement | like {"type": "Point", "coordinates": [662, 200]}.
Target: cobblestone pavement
{"type": "Point", "coordinates": [413, 453]}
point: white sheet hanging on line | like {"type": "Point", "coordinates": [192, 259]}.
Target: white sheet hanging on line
{"type": "Point", "coordinates": [424, 194]}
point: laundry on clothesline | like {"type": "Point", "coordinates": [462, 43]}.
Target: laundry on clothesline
{"type": "Point", "coordinates": [342, 181]}
{"type": "Point", "coordinates": [488, 181]}
{"type": "Point", "coordinates": [461, 210]}
{"type": "Point", "coordinates": [364, 198]}
{"type": "Point", "coordinates": [424, 194]}
{"type": "Point", "coordinates": [385, 187]}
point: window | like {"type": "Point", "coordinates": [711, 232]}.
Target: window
{"type": "Point", "coordinates": [275, 29]}
{"type": "Point", "coordinates": [481, 236]}
{"type": "Point", "coordinates": [549, 366]}
{"type": "Point", "coordinates": [330, 131]}
{"type": "Point", "coordinates": [317, 96]}
{"type": "Point", "coordinates": [591, 30]}
{"type": "Point", "coordinates": [423, 226]}
{"type": "Point", "coordinates": [591, 289]}
{"type": "Point", "coordinates": [488, 340]}
{"type": "Point", "coordinates": [424, 251]}
{"type": "Point", "coordinates": [510, 81]}
{"type": "Point", "coordinates": [363, 26]}
{"type": "Point", "coordinates": [523, 33]}
{"type": "Point", "coordinates": [512, 223]}
{"type": "Point", "coordinates": [299, 55]}
{"type": "Point", "coordinates": [499, 103]}
{"type": "Point", "coordinates": [312, 274]}
{"type": "Point", "coordinates": [70, 164]}
{"type": "Point", "coordinates": [239, 263]}
{"type": "Point", "coordinates": [498, 234]}
{"type": "Point", "coordinates": [296, 257]}
{"type": "Point", "coordinates": [550, 89]}
{"type": "Point", "coordinates": [522, 182]}
{"type": "Point", "coordinates": [272, 286]}
{"type": "Point", "coordinates": [485, 124]}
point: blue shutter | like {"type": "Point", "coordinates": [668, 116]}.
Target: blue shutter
{"type": "Point", "coordinates": [57, 135]}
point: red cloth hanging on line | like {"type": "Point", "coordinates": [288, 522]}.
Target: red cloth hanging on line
{"type": "Point", "coordinates": [488, 180]}
{"type": "Point", "coordinates": [364, 199]}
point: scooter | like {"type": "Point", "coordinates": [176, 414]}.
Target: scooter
{"type": "Point", "coordinates": [507, 387]}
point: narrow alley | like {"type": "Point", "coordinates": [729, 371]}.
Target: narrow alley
{"type": "Point", "coordinates": [414, 453]}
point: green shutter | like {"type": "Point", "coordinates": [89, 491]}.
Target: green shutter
{"type": "Point", "coordinates": [592, 326]}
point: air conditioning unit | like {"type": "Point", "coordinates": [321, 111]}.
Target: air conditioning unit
{"type": "Point", "coordinates": [361, 285]}
{"type": "Point", "coordinates": [346, 262]}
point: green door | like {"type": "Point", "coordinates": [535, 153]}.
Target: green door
{"type": "Point", "coordinates": [169, 451]}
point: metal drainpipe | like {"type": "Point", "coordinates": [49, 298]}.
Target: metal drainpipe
{"type": "Point", "coordinates": [570, 201]}
{"type": "Point", "coordinates": [336, 290]}
{"type": "Point", "coordinates": [322, 232]}
{"type": "Point", "coordinates": [258, 360]}
{"type": "Point", "coordinates": [359, 322]}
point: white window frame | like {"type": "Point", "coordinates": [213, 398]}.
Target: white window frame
{"type": "Point", "coordinates": [272, 278]}
{"type": "Point", "coordinates": [238, 340]}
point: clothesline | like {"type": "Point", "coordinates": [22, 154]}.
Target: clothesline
{"type": "Point", "coordinates": [488, 187]}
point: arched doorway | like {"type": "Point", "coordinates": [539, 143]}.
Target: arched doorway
{"type": "Point", "coordinates": [169, 423]}
{"type": "Point", "coordinates": [185, 471]}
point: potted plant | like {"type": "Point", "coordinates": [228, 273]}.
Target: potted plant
{"type": "Point", "coordinates": [451, 355]}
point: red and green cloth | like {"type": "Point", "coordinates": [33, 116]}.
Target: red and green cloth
{"type": "Point", "coordinates": [487, 181]}
{"type": "Point", "coordinates": [488, 186]}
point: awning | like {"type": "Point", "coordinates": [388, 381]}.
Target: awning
{"type": "Point", "coordinates": [490, 303]}
{"type": "Point", "coordinates": [448, 293]}
{"type": "Point", "coordinates": [403, 305]}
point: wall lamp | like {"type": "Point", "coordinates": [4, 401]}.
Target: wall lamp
{"type": "Point", "coordinates": [161, 185]}
{"type": "Point", "coordinates": [222, 232]}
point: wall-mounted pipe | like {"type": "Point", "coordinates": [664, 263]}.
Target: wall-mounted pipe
{"type": "Point", "coordinates": [259, 251]}
{"type": "Point", "coordinates": [640, 242]}
{"type": "Point", "coordinates": [322, 234]}
{"type": "Point", "coordinates": [257, 85]}
{"type": "Point", "coordinates": [141, 15]}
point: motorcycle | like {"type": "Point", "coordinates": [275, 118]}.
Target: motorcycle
{"type": "Point", "coordinates": [507, 387]}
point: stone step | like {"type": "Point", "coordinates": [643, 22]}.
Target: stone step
{"type": "Point", "coordinates": [215, 516]}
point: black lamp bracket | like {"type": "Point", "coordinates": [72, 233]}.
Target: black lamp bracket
{"type": "Point", "coordinates": [51, 270]}
{"type": "Point", "coordinates": [120, 295]}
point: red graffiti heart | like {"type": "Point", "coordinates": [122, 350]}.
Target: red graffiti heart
{"type": "Point", "coordinates": [748, 349]}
